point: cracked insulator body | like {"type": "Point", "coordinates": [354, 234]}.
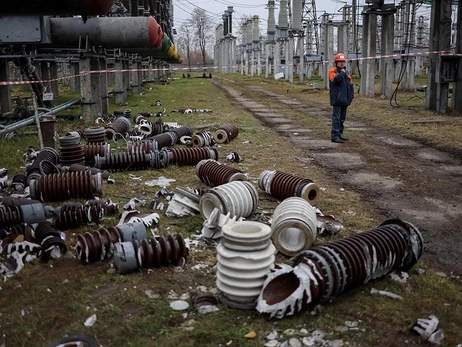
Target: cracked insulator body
{"type": "Point", "coordinates": [226, 133]}
{"type": "Point", "coordinates": [47, 155]}
{"type": "Point", "coordinates": [61, 187]}
{"type": "Point", "coordinates": [10, 216]}
{"type": "Point", "coordinates": [117, 128]}
{"type": "Point", "coordinates": [150, 128]}
{"type": "Point", "coordinates": [82, 168]}
{"type": "Point", "coordinates": [95, 135]}
{"type": "Point", "coordinates": [72, 214]}
{"type": "Point", "coordinates": [96, 245]}
{"type": "Point", "coordinates": [180, 132]}
{"type": "Point", "coordinates": [282, 185]}
{"type": "Point", "coordinates": [91, 150]}
{"type": "Point", "coordinates": [49, 238]}
{"type": "Point", "coordinates": [213, 173]}
{"type": "Point", "coordinates": [126, 160]}
{"type": "Point", "coordinates": [238, 198]}
{"type": "Point", "coordinates": [191, 156]}
{"type": "Point", "coordinates": [293, 226]}
{"type": "Point", "coordinates": [327, 270]}
{"type": "Point", "coordinates": [145, 146]}
{"type": "Point", "coordinates": [14, 230]}
{"type": "Point", "coordinates": [244, 257]}
{"type": "Point", "coordinates": [71, 150]}
{"type": "Point", "coordinates": [203, 139]}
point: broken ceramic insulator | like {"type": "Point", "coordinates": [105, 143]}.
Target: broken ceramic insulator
{"type": "Point", "coordinates": [327, 270]}
{"type": "Point", "coordinates": [72, 185]}
{"type": "Point", "coordinates": [91, 150]}
{"type": "Point", "coordinates": [71, 150]}
{"type": "Point", "coordinates": [96, 245]}
{"type": "Point", "coordinates": [49, 238]}
{"type": "Point", "coordinates": [282, 185]}
{"type": "Point", "coordinates": [212, 173]}
{"type": "Point", "coordinates": [212, 227]}
{"type": "Point", "coordinates": [12, 231]}
{"type": "Point", "coordinates": [19, 182]}
{"type": "Point", "coordinates": [226, 133]}
{"type": "Point", "coordinates": [117, 128]}
{"type": "Point", "coordinates": [203, 139]}
{"type": "Point", "coordinates": [95, 135]}
{"type": "Point", "coordinates": [48, 155]}
{"type": "Point", "coordinates": [244, 256]}
{"type": "Point", "coordinates": [191, 156]}
{"type": "Point", "coordinates": [147, 128]}
{"type": "Point", "coordinates": [10, 216]}
{"type": "Point", "coordinates": [145, 146]}
{"type": "Point", "coordinates": [293, 226]}
{"type": "Point", "coordinates": [180, 132]}
{"type": "Point", "coordinates": [238, 198]}
{"type": "Point", "coordinates": [166, 139]}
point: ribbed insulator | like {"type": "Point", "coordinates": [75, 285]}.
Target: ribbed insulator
{"type": "Point", "coordinates": [293, 226]}
{"type": "Point", "coordinates": [145, 146]}
{"type": "Point", "coordinates": [47, 236]}
{"type": "Point", "coordinates": [282, 185]}
{"type": "Point", "coordinates": [238, 198]}
{"type": "Point", "coordinates": [167, 139]}
{"type": "Point", "coordinates": [11, 231]}
{"type": "Point", "coordinates": [9, 216]}
{"type": "Point", "coordinates": [181, 131]}
{"type": "Point", "coordinates": [226, 133]}
{"type": "Point", "coordinates": [139, 118]}
{"type": "Point", "coordinates": [203, 139]}
{"type": "Point", "coordinates": [125, 160]}
{"type": "Point", "coordinates": [82, 168]}
{"type": "Point", "coordinates": [91, 150]}
{"type": "Point", "coordinates": [71, 150]}
{"type": "Point", "coordinates": [95, 135]}
{"type": "Point", "coordinates": [191, 156]}
{"type": "Point", "coordinates": [19, 182]}
{"type": "Point", "coordinates": [72, 185]}
{"type": "Point", "coordinates": [212, 173]}
{"type": "Point", "coordinates": [150, 128]}
{"type": "Point", "coordinates": [47, 155]}
{"type": "Point", "coordinates": [118, 128]}
{"type": "Point", "coordinates": [244, 257]}
{"type": "Point", "coordinates": [78, 133]}
{"type": "Point", "coordinates": [327, 270]}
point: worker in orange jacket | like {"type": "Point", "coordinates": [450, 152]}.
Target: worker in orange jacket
{"type": "Point", "coordinates": [341, 96]}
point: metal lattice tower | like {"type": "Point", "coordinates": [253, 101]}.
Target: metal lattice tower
{"type": "Point", "coordinates": [309, 14]}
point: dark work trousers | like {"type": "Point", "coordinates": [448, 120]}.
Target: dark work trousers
{"type": "Point", "coordinates": [338, 117]}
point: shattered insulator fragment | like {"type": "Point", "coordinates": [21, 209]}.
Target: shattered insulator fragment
{"type": "Point", "coordinates": [48, 155]}
{"type": "Point", "coordinates": [13, 231]}
{"type": "Point", "coordinates": [203, 139]}
{"type": "Point", "coordinates": [72, 185]}
{"type": "Point", "coordinates": [244, 257]}
{"type": "Point", "coordinates": [19, 182]}
{"type": "Point", "coordinates": [118, 128]}
{"type": "Point", "coordinates": [191, 156]}
{"type": "Point", "coordinates": [238, 198]}
{"type": "Point", "coordinates": [328, 270]}
{"type": "Point", "coordinates": [95, 135]}
{"type": "Point", "coordinates": [72, 214]}
{"type": "Point", "coordinates": [212, 173]}
{"type": "Point", "coordinates": [282, 185]}
{"type": "Point", "coordinates": [49, 238]}
{"type": "Point", "coordinates": [226, 133]}
{"type": "Point", "coordinates": [71, 150]}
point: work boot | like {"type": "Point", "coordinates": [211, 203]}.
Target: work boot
{"type": "Point", "coordinates": [343, 138]}
{"type": "Point", "coordinates": [337, 140]}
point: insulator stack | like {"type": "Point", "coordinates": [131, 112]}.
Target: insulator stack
{"type": "Point", "coordinates": [212, 173]}
{"type": "Point", "coordinates": [48, 155]}
{"type": "Point", "coordinates": [9, 216]}
{"type": "Point", "coordinates": [203, 139]}
{"type": "Point", "coordinates": [95, 135]}
{"type": "Point", "coordinates": [226, 133]}
{"type": "Point", "coordinates": [328, 270]}
{"type": "Point", "coordinates": [82, 168]}
{"type": "Point", "coordinates": [145, 146]}
{"type": "Point", "coordinates": [19, 182]}
{"type": "Point", "coordinates": [181, 131]}
{"type": "Point", "coordinates": [282, 185]}
{"type": "Point", "coordinates": [72, 185]}
{"type": "Point", "coordinates": [47, 236]}
{"type": "Point", "coordinates": [167, 139]}
{"type": "Point", "coordinates": [126, 160]}
{"type": "Point", "coordinates": [71, 150]}
{"type": "Point", "coordinates": [191, 156]}
{"type": "Point", "coordinates": [118, 128]}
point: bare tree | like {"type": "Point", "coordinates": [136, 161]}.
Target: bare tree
{"type": "Point", "coordinates": [202, 25]}
{"type": "Point", "coordinates": [184, 41]}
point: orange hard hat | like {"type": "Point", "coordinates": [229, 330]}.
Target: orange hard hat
{"type": "Point", "coordinates": [340, 57]}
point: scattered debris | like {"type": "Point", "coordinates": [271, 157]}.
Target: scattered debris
{"type": "Point", "coordinates": [399, 276]}
{"type": "Point", "coordinates": [135, 178]}
{"type": "Point", "coordinates": [251, 335]}
{"type": "Point", "coordinates": [234, 157]}
{"type": "Point", "coordinates": [90, 321]}
{"type": "Point", "coordinates": [148, 219]}
{"type": "Point", "coordinates": [426, 328]}
{"type": "Point", "coordinates": [385, 293]}
{"type": "Point", "coordinates": [151, 294]}
{"type": "Point", "coordinates": [212, 226]}
{"type": "Point", "coordinates": [161, 181]}
{"type": "Point", "coordinates": [133, 204]}
{"type": "Point", "coordinates": [179, 305]}
{"type": "Point", "coordinates": [327, 225]}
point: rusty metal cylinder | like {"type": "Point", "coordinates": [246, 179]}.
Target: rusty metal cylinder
{"type": "Point", "coordinates": [226, 133]}
{"type": "Point", "coordinates": [117, 128]}
{"type": "Point", "coordinates": [47, 155]}
{"type": "Point", "coordinates": [212, 173]}
{"type": "Point", "coordinates": [95, 135]}
{"type": "Point", "coordinates": [203, 139]}
{"type": "Point", "coordinates": [48, 130]}
{"type": "Point", "coordinates": [282, 185]}
{"type": "Point", "coordinates": [191, 156]}
{"type": "Point", "coordinates": [328, 270]}
{"type": "Point", "coordinates": [71, 150]}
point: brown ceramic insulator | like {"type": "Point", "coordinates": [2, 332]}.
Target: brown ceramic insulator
{"type": "Point", "coordinates": [180, 132]}
{"type": "Point", "coordinates": [96, 245]}
{"type": "Point", "coordinates": [117, 128]}
{"type": "Point", "coordinates": [45, 229]}
{"type": "Point", "coordinates": [72, 185]}
{"type": "Point", "coordinates": [124, 161]}
{"type": "Point", "coordinates": [160, 250]}
{"type": "Point", "coordinates": [167, 139]}
{"type": "Point", "coordinates": [151, 128]}
{"type": "Point", "coordinates": [204, 299]}
{"type": "Point", "coordinates": [10, 216]}
{"type": "Point", "coordinates": [17, 229]}
{"type": "Point", "coordinates": [212, 173]}
{"type": "Point", "coordinates": [203, 139]}
{"type": "Point", "coordinates": [191, 156]}
{"type": "Point", "coordinates": [285, 185]}
{"type": "Point", "coordinates": [48, 237]}
{"type": "Point", "coordinates": [71, 150]}
{"type": "Point", "coordinates": [338, 266]}
{"type": "Point", "coordinates": [226, 133]}
{"type": "Point", "coordinates": [36, 169]}
{"type": "Point", "coordinates": [91, 150]}
{"type": "Point", "coordinates": [82, 168]}
{"type": "Point", "coordinates": [145, 146]}
{"type": "Point", "coordinates": [95, 135]}
{"type": "Point", "coordinates": [71, 215]}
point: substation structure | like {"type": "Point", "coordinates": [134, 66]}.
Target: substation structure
{"type": "Point", "coordinates": [86, 44]}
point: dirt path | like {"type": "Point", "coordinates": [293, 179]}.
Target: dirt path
{"type": "Point", "coordinates": [400, 177]}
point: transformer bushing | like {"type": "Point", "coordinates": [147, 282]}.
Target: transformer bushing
{"type": "Point", "coordinates": [71, 151]}
{"type": "Point", "coordinates": [282, 185]}
{"type": "Point", "coordinates": [61, 187]}
{"type": "Point", "coordinates": [203, 139]}
{"type": "Point", "coordinates": [212, 173]}
{"type": "Point", "coordinates": [238, 198]}
{"type": "Point", "coordinates": [95, 135]}
{"type": "Point", "coordinates": [191, 156]}
{"type": "Point", "coordinates": [226, 133]}
{"type": "Point", "coordinates": [293, 226]}
{"type": "Point", "coordinates": [118, 128]}
{"type": "Point", "coordinates": [328, 270]}
{"type": "Point", "coordinates": [37, 169]}
{"type": "Point", "coordinates": [49, 238]}
{"type": "Point", "coordinates": [244, 256]}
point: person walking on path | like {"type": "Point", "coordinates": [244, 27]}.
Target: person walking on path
{"type": "Point", "coordinates": [341, 96]}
